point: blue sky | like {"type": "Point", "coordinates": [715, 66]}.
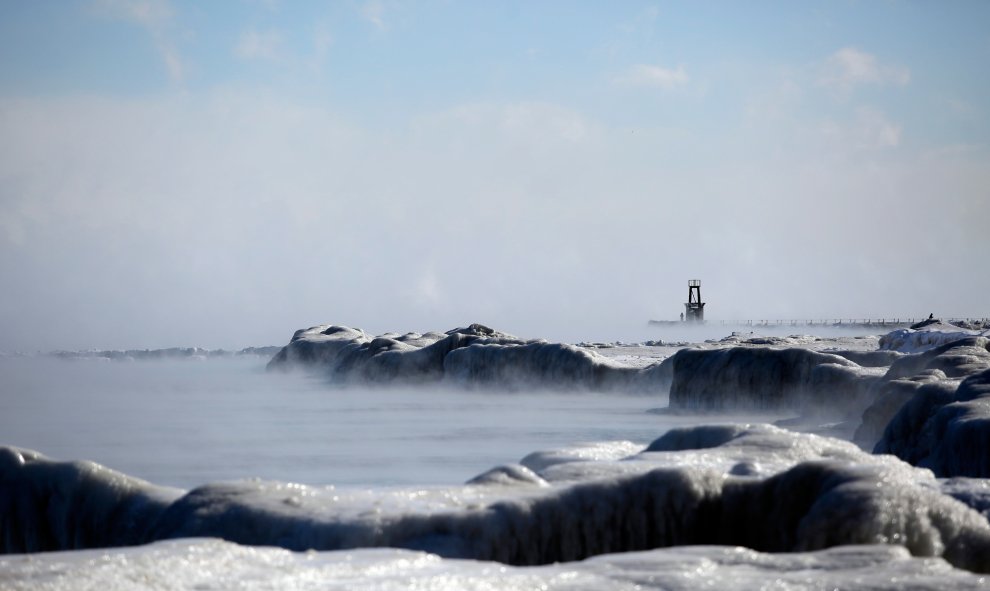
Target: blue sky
{"type": "Point", "coordinates": [222, 173]}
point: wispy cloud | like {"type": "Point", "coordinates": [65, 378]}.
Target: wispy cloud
{"type": "Point", "coordinates": [645, 19]}
{"type": "Point", "coordinates": [652, 76]}
{"type": "Point", "coordinates": [876, 130]}
{"type": "Point", "coordinates": [539, 126]}
{"type": "Point", "coordinates": [374, 12]}
{"type": "Point", "coordinates": [259, 45]}
{"type": "Point", "coordinates": [960, 107]}
{"type": "Point", "coordinates": [155, 16]}
{"type": "Point", "coordinates": [849, 67]}
{"type": "Point", "coordinates": [149, 13]}
{"type": "Point", "coordinates": [870, 129]}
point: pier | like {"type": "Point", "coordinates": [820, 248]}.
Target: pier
{"type": "Point", "coordinates": [886, 323]}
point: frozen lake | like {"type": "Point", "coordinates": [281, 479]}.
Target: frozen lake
{"type": "Point", "coordinates": [184, 423]}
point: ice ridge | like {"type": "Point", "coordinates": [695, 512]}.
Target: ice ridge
{"type": "Point", "coordinates": [760, 378]}
{"type": "Point", "coordinates": [948, 432]}
{"type": "Point", "coordinates": [825, 495]}
{"type": "Point", "coordinates": [475, 356]}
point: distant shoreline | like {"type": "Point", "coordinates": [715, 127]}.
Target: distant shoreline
{"type": "Point", "coordinates": [151, 354]}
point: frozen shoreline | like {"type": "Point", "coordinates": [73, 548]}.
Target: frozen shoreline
{"type": "Point", "coordinates": [696, 485]}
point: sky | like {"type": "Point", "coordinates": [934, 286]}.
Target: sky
{"type": "Point", "coordinates": [220, 174]}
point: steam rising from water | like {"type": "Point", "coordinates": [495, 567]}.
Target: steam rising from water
{"type": "Point", "coordinates": [183, 423]}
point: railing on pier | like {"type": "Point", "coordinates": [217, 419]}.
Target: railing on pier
{"type": "Point", "coordinates": [882, 322]}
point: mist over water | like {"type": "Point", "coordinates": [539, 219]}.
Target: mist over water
{"type": "Point", "coordinates": [687, 332]}
{"type": "Point", "coordinates": [186, 423]}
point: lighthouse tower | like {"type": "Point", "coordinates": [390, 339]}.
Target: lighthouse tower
{"type": "Point", "coordinates": [694, 309]}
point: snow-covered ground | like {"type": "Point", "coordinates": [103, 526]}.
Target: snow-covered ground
{"type": "Point", "coordinates": [210, 564]}
{"type": "Point", "coordinates": [878, 478]}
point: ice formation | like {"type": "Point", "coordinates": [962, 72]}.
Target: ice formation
{"type": "Point", "coordinates": [761, 487]}
{"type": "Point", "coordinates": [956, 359]}
{"type": "Point", "coordinates": [946, 431]}
{"type": "Point", "coordinates": [930, 407]}
{"type": "Point", "coordinates": [744, 378]}
{"type": "Point", "coordinates": [934, 334]}
{"type": "Point", "coordinates": [891, 396]}
{"type": "Point", "coordinates": [471, 356]}
{"type": "Point", "coordinates": [47, 505]}
{"type": "Point", "coordinates": [931, 375]}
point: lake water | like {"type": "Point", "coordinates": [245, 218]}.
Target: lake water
{"type": "Point", "coordinates": [185, 423]}
{"type": "Point", "coordinates": [396, 458]}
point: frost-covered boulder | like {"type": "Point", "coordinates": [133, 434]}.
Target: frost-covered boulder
{"type": "Point", "coordinates": [759, 378]}
{"type": "Point", "coordinates": [515, 516]}
{"type": "Point", "coordinates": [49, 505]}
{"type": "Point", "coordinates": [927, 336]}
{"type": "Point", "coordinates": [957, 358]}
{"type": "Point", "coordinates": [508, 475]}
{"type": "Point", "coordinates": [913, 384]}
{"type": "Point", "coordinates": [703, 437]}
{"type": "Point", "coordinates": [823, 504]}
{"type": "Point", "coordinates": [755, 450]}
{"type": "Point", "coordinates": [973, 492]}
{"type": "Point", "coordinates": [535, 364]}
{"type": "Point", "coordinates": [892, 395]}
{"type": "Point", "coordinates": [948, 432]}
{"type": "Point", "coordinates": [349, 355]}
{"type": "Point", "coordinates": [317, 345]}
{"type": "Point", "coordinates": [472, 356]}
{"type": "Point", "coordinates": [870, 358]}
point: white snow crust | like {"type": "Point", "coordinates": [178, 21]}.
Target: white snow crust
{"type": "Point", "coordinates": [215, 565]}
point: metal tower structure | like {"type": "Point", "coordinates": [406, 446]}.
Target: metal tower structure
{"type": "Point", "coordinates": [694, 309]}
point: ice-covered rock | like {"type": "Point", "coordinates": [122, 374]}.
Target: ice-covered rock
{"type": "Point", "coordinates": [928, 336]}
{"type": "Point", "coordinates": [703, 437]}
{"type": "Point", "coordinates": [957, 359]}
{"type": "Point", "coordinates": [893, 394]}
{"type": "Point", "coordinates": [946, 431]}
{"type": "Point", "coordinates": [510, 475]}
{"type": "Point", "coordinates": [586, 454]}
{"type": "Point", "coordinates": [869, 358]}
{"type": "Point", "coordinates": [759, 450]}
{"type": "Point", "coordinates": [317, 345]}
{"type": "Point", "coordinates": [973, 492]}
{"type": "Point", "coordinates": [927, 378]}
{"type": "Point", "coordinates": [348, 354]}
{"type": "Point", "coordinates": [759, 378]}
{"type": "Point", "coordinates": [522, 516]}
{"type": "Point", "coordinates": [473, 356]}
{"type": "Point", "coordinates": [514, 366]}
{"type": "Point", "coordinates": [47, 505]}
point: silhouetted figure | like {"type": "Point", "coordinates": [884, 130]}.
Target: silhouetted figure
{"type": "Point", "coordinates": [931, 316]}
{"type": "Point", "coordinates": [682, 316]}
